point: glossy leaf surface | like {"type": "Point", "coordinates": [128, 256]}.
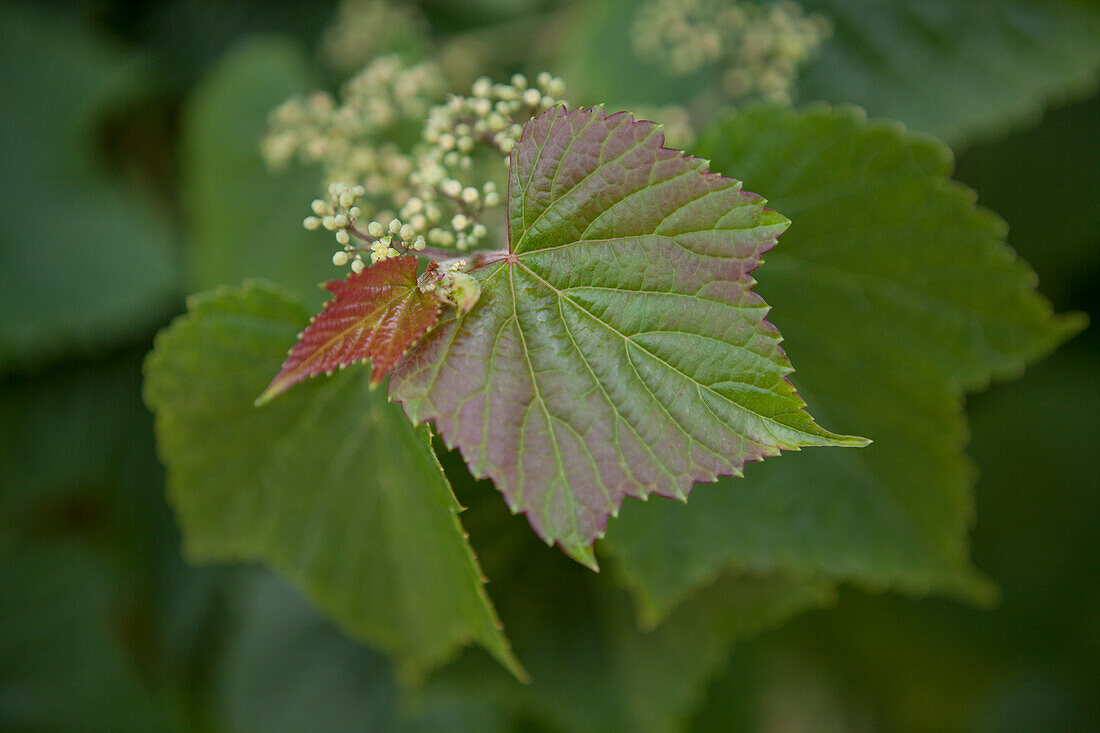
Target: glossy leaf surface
{"type": "Point", "coordinates": [618, 349]}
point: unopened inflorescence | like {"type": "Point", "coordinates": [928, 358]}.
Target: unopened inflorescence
{"type": "Point", "coordinates": [758, 47]}
{"type": "Point", "coordinates": [385, 200]}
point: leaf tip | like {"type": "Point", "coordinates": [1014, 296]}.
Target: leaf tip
{"type": "Point", "coordinates": [584, 554]}
{"type": "Point", "coordinates": [276, 388]}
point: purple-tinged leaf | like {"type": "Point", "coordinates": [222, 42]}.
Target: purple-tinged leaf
{"type": "Point", "coordinates": [617, 348]}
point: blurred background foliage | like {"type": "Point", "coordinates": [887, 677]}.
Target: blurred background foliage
{"type": "Point", "coordinates": [132, 177]}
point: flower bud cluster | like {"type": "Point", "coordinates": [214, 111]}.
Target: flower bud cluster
{"type": "Point", "coordinates": [450, 284]}
{"type": "Point", "coordinates": [438, 192]}
{"type": "Point", "coordinates": [759, 47]}
{"type": "Point", "coordinates": [378, 240]}
{"type": "Point", "coordinates": [352, 139]}
{"type": "Point", "coordinates": [448, 193]}
{"type": "Point", "coordinates": [364, 29]}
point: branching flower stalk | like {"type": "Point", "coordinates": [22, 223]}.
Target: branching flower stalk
{"type": "Point", "coordinates": [439, 199]}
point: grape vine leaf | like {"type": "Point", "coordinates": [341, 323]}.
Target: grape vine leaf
{"type": "Point", "coordinates": [376, 314]}
{"type": "Point", "coordinates": [617, 349]}
{"type": "Point", "coordinates": [330, 485]}
{"type": "Point", "coordinates": [84, 259]}
{"type": "Point", "coordinates": [897, 294]}
{"type": "Point", "coordinates": [245, 220]}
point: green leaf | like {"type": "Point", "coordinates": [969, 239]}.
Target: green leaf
{"type": "Point", "coordinates": [617, 349]}
{"type": "Point", "coordinates": [62, 659]}
{"type": "Point", "coordinates": [330, 485]}
{"type": "Point", "coordinates": [246, 220]}
{"type": "Point", "coordinates": [83, 260]}
{"type": "Point", "coordinates": [896, 294]}
{"type": "Point", "coordinates": [374, 315]}
{"type": "Point", "coordinates": [957, 70]}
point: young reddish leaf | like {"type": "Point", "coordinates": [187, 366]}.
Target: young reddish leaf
{"type": "Point", "coordinates": [617, 348]}
{"type": "Point", "coordinates": [377, 314]}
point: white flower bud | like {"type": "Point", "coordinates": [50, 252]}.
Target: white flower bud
{"type": "Point", "coordinates": [374, 229]}
{"type": "Point", "coordinates": [342, 236]}
{"type": "Point", "coordinates": [451, 187]}
{"type": "Point", "coordinates": [329, 222]}
{"type": "Point", "coordinates": [519, 81]}
{"type": "Point", "coordinates": [492, 198]}
{"type": "Point", "coordinates": [470, 195]}
{"type": "Point", "coordinates": [311, 223]}
{"type": "Point", "coordinates": [395, 226]}
{"type": "Point", "coordinates": [357, 265]}
{"type": "Point", "coordinates": [320, 208]}
{"type": "Point", "coordinates": [340, 258]}
{"type": "Point", "coordinates": [407, 232]}
{"type": "Point", "coordinates": [532, 97]}
{"type": "Point", "coordinates": [482, 87]}
{"type": "Point", "coordinates": [459, 222]}
{"type": "Point", "coordinates": [340, 220]}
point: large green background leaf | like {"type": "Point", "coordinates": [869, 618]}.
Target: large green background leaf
{"type": "Point", "coordinates": [617, 349]}
{"type": "Point", "coordinates": [330, 484]}
{"type": "Point", "coordinates": [84, 261]}
{"type": "Point", "coordinates": [896, 294]}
